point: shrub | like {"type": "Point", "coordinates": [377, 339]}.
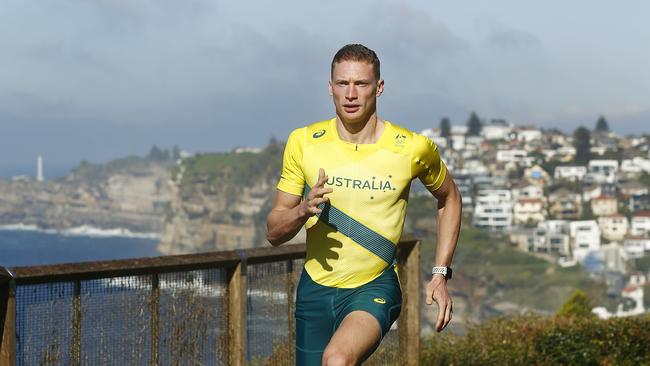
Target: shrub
{"type": "Point", "coordinates": [534, 340]}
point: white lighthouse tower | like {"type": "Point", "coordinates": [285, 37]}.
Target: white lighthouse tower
{"type": "Point", "coordinates": [39, 169]}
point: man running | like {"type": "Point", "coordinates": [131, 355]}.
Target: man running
{"type": "Point", "coordinates": [347, 180]}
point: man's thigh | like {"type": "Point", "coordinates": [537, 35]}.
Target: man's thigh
{"type": "Point", "coordinates": [357, 336]}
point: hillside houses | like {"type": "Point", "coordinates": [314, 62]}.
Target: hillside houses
{"type": "Point", "coordinates": [525, 182]}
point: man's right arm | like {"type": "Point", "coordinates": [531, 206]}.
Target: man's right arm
{"type": "Point", "coordinates": [290, 212]}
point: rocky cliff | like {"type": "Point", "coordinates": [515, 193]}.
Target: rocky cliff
{"type": "Point", "coordinates": [220, 201]}
{"type": "Point", "coordinates": [130, 193]}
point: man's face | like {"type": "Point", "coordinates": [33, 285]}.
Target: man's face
{"type": "Point", "coordinates": [355, 90]}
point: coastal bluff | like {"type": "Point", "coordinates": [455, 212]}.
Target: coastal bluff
{"type": "Point", "coordinates": [127, 194]}
{"type": "Point", "coordinates": [220, 201]}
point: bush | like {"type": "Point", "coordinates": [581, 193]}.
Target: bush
{"type": "Point", "coordinates": [534, 340]}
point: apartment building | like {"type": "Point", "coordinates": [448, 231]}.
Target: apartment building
{"type": "Point", "coordinates": [565, 205]}
{"type": "Point", "coordinates": [496, 130]}
{"type": "Point", "coordinates": [602, 171]}
{"type": "Point", "coordinates": [585, 237]}
{"type": "Point", "coordinates": [529, 210]}
{"type": "Point", "coordinates": [640, 223]}
{"type": "Point", "coordinates": [636, 246]}
{"type": "Point", "coordinates": [571, 173]}
{"type": "Point", "coordinates": [514, 156]}
{"type": "Point", "coordinates": [613, 227]}
{"type": "Point", "coordinates": [493, 210]}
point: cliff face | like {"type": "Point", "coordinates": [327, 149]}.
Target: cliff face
{"type": "Point", "coordinates": [220, 202]}
{"type": "Point", "coordinates": [115, 199]}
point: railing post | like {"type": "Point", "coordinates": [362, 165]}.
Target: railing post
{"type": "Point", "coordinates": [75, 347]}
{"type": "Point", "coordinates": [155, 323]}
{"type": "Point", "coordinates": [237, 313]}
{"type": "Point", "coordinates": [409, 320]}
{"type": "Point", "coordinates": [7, 318]}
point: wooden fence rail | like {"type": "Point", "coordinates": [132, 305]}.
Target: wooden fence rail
{"type": "Point", "coordinates": [234, 262]}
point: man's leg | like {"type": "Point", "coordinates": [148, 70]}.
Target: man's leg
{"type": "Point", "coordinates": [354, 340]}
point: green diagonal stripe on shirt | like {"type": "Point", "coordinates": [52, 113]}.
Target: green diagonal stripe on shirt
{"type": "Point", "coordinates": [353, 229]}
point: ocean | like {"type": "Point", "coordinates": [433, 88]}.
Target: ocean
{"type": "Point", "coordinates": [26, 246]}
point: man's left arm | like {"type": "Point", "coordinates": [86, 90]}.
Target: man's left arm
{"type": "Point", "coordinates": [448, 229]}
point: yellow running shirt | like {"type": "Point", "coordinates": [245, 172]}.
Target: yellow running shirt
{"type": "Point", "coordinates": [353, 240]}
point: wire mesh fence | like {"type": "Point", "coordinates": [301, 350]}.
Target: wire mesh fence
{"type": "Point", "coordinates": [180, 310]}
{"type": "Point", "coordinates": [270, 326]}
{"type": "Point", "coordinates": [44, 324]}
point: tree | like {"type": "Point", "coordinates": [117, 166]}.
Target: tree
{"type": "Point", "coordinates": [176, 152]}
{"type": "Point", "coordinates": [155, 154]}
{"type": "Point", "coordinates": [582, 143]}
{"type": "Point", "coordinates": [601, 125]}
{"type": "Point", "coordinates": [577, 305]}
{"type": "Point", "coordinates": [474, 125]}
{"type": "Point", "coordinates": [445, 128]}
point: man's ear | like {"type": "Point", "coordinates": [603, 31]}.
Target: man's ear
{"type": "Point", "coordinates": [380, 87]}
{"type": "Point", "coordinates": [329, 88]}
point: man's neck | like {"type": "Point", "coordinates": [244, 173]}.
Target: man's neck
{"type": "Point", "coordinates": [367, 132]}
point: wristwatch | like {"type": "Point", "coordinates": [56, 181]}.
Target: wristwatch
{"type": "Point", "coordinates": [445, 271]}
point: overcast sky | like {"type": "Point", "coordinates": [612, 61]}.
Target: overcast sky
{"type": "Point", "coordinates": [96, 80]}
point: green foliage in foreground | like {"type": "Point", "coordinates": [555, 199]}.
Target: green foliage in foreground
{"type": "Point", "coordinates": [577, 305]}
{"type": "Point", "coordinates": [534, 340]}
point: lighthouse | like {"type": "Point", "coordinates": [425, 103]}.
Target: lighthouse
{"type": "Point", "coordinates": [39, 168]}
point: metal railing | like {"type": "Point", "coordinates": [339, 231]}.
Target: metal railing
{"type": "Point", "coordinates": [225, 307]}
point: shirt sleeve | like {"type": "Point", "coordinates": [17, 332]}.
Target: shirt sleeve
{"type": "Point", "coordinates": [426, 163]}
{"type": "Point", "coordinates": [292, 179]}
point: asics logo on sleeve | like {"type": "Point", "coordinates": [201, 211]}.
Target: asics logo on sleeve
{"type": "Point", "coordinates": [318, 134]}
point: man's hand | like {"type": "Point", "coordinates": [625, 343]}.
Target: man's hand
{"type": "Point", "coordinates": [316, 196]}
{"type": "Point", "coordinates": [437, 291]}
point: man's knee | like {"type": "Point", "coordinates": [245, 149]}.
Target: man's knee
{"type": "Point", "coordinates": [338, 357]}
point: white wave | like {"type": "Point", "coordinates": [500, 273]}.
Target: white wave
{"type": "Point", "coordinates": [84, 230]}
{"type": "Point", "coordinates": [19, 227]}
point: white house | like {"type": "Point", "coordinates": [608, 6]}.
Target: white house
{"type": "Point", "coordinates": [571, 173]}
{"type": "Point", "coordinates": [557, 226]}
{"type": "Point", "coordinates": [529, 210]}
{"type": "Point", "coordinates": [493, 209]}
{"type": "Point", "coordinates": [585, 236]}
{"type": "Point", "coordinates": [473, 167]}
{"type": "Point", "coordinates": [458, 141]}
{"type": "Point", "coordinates": [493, 196]}
{"type": "Point", "coordinates": [529, 191]}
{"type": "Point", "coordinates": [556, 234]}
{"type": "Point", "coordinates": [563, 153]}
{"type": "Point", "coordinates": [636, 246]}
{"type": "Point", "coordinates": [459, 130]}
{"type": "Point", "coordinates": [604, 206]}
{"type": "Point", "coordinates": [603, 171]}
{"type": "Point", "coordinates": [529, 134]}
{"type": "Point", "coordinates": [633, 188]}
{"type": "Point", "coordinates": [498, 130]}
{"type": "Point", "coordinates": [635, 165]}
{"type": "Point", "coordinates": [640, 224]}
{"type": "Point", "coordinates": [634, 305]}
{"type": "Point", "coordinates": [512, 156]}
{"type": "Point", "coordinates": [613, 227]}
